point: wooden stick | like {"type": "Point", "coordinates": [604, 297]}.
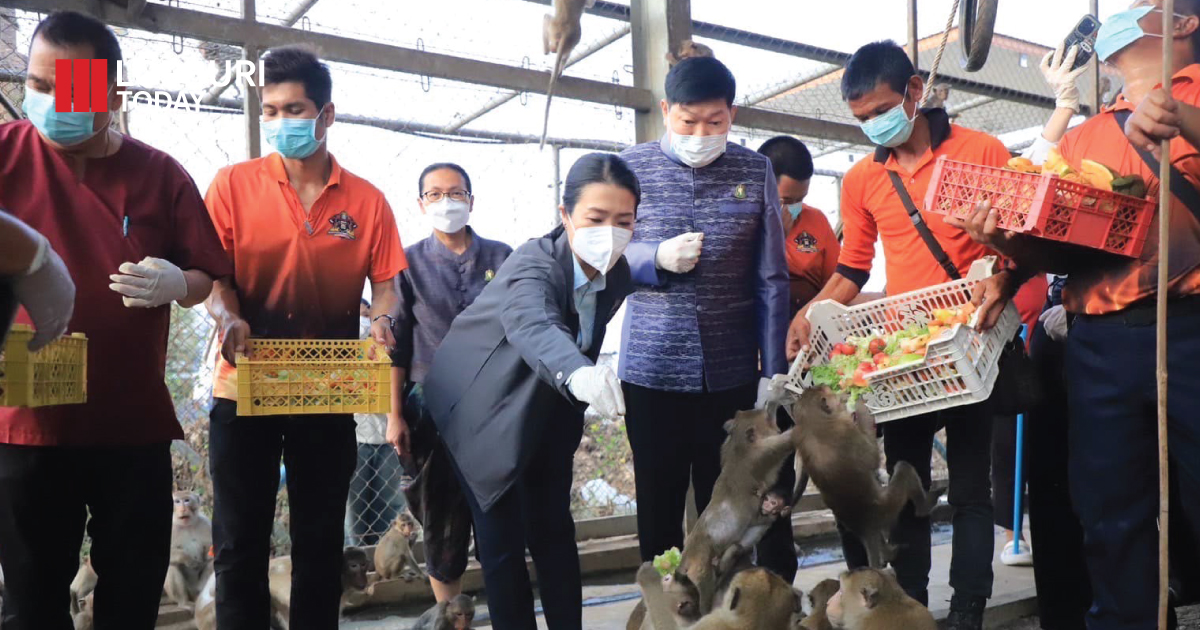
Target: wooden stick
{"type": "Point", "coordinates": [1164, 235]}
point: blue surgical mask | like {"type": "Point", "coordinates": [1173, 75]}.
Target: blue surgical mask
{"type": "Point", "coordinates": [62, 128]}
{"type": "Point", "coordinates": [1121, 30]}
{"type": "Point", "coordinates": [294, 138]}
{"type": "Point", "coordinates": [890, 129]}
{"type": "Point", "coordinates": [794, 209]}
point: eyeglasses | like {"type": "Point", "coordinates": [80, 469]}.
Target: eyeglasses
{"type": "Point", "coordinates": [435, 196]}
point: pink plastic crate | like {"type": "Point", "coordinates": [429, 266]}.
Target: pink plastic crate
{"type": "Point", "coordinates": [1043, 205]}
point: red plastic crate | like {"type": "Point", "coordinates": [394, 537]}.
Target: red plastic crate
{"type": "Point", "coordinates": [1043, 205]}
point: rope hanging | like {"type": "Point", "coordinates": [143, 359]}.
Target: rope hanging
{"type": "Point", "coordinates": [937, 59]}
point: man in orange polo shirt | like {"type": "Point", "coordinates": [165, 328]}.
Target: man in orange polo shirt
{"type": "Point", "coordinates": [811, 247]}
{"type": "Point", "coordinates": [883, 91]}
{"type": "Point", "coordinates": [1110, 349]}
{"type": "Point", "coordinates": [304, 235]}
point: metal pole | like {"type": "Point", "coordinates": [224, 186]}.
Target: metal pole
{"type": "Point", "coordinates": [1164, 242]}
{"type": "Point", "coordinates": [1019, 472]}
{"type": "Point", "coordinates": [1096, 65]}
{"type": "Point", "coordinates": [251, 108]}
{"type": "Point", "coordinates": [912, 34]}
{"type": "Point", "coordinates": [557, 152]}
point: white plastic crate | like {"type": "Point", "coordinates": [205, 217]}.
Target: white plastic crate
{"type": "Point", "coordinates": [958, 369]}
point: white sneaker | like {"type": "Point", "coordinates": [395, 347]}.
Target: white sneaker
{"type": "Point", "coordinates": [1010, 558]}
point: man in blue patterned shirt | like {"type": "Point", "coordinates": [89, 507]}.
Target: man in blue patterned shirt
{"type": "Point", "coordinates": [709, 317]}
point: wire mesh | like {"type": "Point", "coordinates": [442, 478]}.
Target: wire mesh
{"type": "Point", "coordinates": [392, 124]}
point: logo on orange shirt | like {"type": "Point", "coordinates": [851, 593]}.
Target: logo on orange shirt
{"type": "Point", "coordinates": [806, 243]}
{"type": "Point", "coordinates": [343, 226]}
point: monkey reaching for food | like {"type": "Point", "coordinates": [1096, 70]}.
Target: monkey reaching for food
{"type": "Point", "coordinates": [668, 603]}
{"type": "Point", "coordinates": [871, 599]}
{"type": "Point", "coordinates": [840, 453]}
{"type": "Point", "coordinates": [393, 555]}
{"type": "Point", "coordinates": [687, 50]}
{"type": "Point", "coordinates": [561, 33]}
{"type": "Point", "coordinates": [819, 598]}
{"type": "Point", "coordinates": [455, 614]}
{"type": "Point", "coordinates": [191, 539]}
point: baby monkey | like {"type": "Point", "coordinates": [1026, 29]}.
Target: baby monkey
{"type": "Point", "coordinates": [819, 597]}
{"type": "Point", "coordinates": [871, 599]}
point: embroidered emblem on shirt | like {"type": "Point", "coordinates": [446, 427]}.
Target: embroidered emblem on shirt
{"type": "Point", "coordinates": [343, 226]}
{"type": "Point", "coordinates": [806, 243]}
{"type": "Point", "coordinates": [488, 275]}
{"type": "Point", "coordinates": [739, 192]}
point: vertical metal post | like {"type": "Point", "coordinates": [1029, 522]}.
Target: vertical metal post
{"type": "Point", "coordinates": [557, 152]}
{"type": "Point", "coordinates": [658, 26]}
{"type": "Point", "coordinates": [251, 108]}
{"type": "Point", "coordinates": [1096, 95]}
{"type": "Point", "coordinates": [912, 34]}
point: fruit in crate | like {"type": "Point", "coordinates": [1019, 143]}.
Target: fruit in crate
{"type": "Point", "coordinates": [1023, 165]}
{"type": "Point", "coordinates": [1089, 173]}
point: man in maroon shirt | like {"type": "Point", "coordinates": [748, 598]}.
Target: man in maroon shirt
{"type": "Point", "coordinates": [132, 229]}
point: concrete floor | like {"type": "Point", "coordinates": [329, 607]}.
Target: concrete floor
{"type": "Point", "coordinates": [607, 607]}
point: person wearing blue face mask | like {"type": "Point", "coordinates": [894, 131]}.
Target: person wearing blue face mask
{"type": "Point", "coordinates": [306, 236]}
{"type": "Point", "coordinates": [1109, 345]}
{"type": "Point", "coordinates": [883, 91]}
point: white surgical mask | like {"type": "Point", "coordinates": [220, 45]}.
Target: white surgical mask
{"type": "Point", "coordinates": [448, 216]}
{"type": "Point", "coordinates": [698, 151]}
{"type": "Point", "coordinates": [600, 247]}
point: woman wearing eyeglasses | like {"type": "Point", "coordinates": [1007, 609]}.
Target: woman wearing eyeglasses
{"type": "Point", "coordinates": [446, 272]}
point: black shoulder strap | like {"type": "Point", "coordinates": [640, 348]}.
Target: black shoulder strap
{"type": "Point", "coordinates": [923, 229]}
{"type": "Point", "coordinates": [1180, 187]}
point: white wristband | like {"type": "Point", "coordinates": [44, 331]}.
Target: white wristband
{"type": "Point", "coordinates": [40, 256]}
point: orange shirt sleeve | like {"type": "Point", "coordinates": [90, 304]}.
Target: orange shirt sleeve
{"type": "Point", "coordinates": [858, 226]}
{"type": "Point", "coordinates": [220, 208]}
{"type": "Point", "coordinates": [387, 254]}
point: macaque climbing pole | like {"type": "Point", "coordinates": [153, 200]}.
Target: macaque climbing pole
{"type": "Point", "coordinates": [1164, 233]}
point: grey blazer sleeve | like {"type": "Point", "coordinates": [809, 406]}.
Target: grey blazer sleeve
{"type": "Point", "coordinates": [534, 323]}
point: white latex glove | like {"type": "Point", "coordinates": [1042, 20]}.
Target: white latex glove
{"type": "Point", "coordinates": [597, 386]}
{"type": "Point", "coordinates": [1056, 68]}
{"type": "Point", "coordinates": [150, 283]}
{"type": "Point", "coordinates": [48, 295]}
{"type": "Point", "coordinates": [1054, 320]}
{"type": "Point", "coordinates": [680, 254]}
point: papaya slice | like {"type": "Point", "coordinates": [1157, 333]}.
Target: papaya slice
{"type": "Point", "coordinates": [1023, 165]}
{"type": "Point", "coordinates": [1097, 175]}
{"type": "Point", "coordinates": [1056, 164]}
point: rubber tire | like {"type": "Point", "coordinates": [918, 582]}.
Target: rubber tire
{"type": "Point", "coordinates": [976, 23]}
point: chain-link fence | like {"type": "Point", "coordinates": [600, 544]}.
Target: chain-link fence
{"type": "Point", "coordinates": [392, 124]}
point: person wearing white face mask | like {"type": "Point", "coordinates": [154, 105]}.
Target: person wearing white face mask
{"type": "Point", "coordinates": [707, 325]}
{"type": "Point", "coordinates": [509, 384]}
{"type": "Point", "coordinates": [446, 273]}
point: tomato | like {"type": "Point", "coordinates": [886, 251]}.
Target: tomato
{"type": "Point", "coordinates": [844, 348]}
{"type": "Point", "coordinates": [860, 378]}
{"type": "Point", "coordinates": [866, 366]}
{"type": "Point", "coordinates": [876, 346]}
{"type": "Point", "coordinates": [880, 358]}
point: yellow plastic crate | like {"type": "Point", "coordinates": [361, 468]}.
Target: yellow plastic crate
{"type": "Point", "coordinates": [57, 375]}
{"type": "Point", "coordinates": [311, 376]}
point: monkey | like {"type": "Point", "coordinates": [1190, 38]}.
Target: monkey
{"type": "Point", "coordinates": [455, 614]}
{"type": "Point", "coordinates": [841, 455]}
{"type": "Point", "coordinates": [688, 49]}
{"type": "Point", "coordinates": [797, 609]}
{"type": "Point", "coordinates": [561, 33]}
{"type": "Point", "coordinates": [757, 599]}
{"type": "Point", "coordinates": [393, 555]}
{"type": "Point", "coordinates": [83, 584]}
{"type": "Point", "coordinates": [742, 507]}
{"type": "Point", "coordinates": [356, 591]}
{"type": "Point", "coordinates": [85, 618]}
{"type": "Point", "coordinates": [819, 597]}
{"type": "Point", "coordinates": [871, 599]}
{"type": "Point", "coordinates": [668, 603]}
{"type": "Point", "coordinates": [206, 604]}
{"type": "Point", "coordinates": [191, 538]}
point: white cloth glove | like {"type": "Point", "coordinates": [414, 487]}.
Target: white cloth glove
{"type": "Point", "coordinates": [680, 254]}
{"type": "Point", "coordinates": [150, 283]}
{"type": "Point", "coordinates": [1056, 68]}
{"type": "Point", "coordinates": [1039, 151]}
{"type": "Point", "coordinates": [1054, 320]}
{"type": "Point", "coordinates": [48, 295]}
{"type": "Point", "coordinates": [597, 386]}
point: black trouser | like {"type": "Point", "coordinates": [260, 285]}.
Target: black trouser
{"type": "Point", "coordinates": [968, 454]}
{"type": "Point", "coordinates": [1059, 572]}
{"type": "Point", "coordinates": [676, 438]}
{"type": "Point", "coordinates": [46, 493]}
{"type": "Point", "coordinates": [319, 452]}
{"type": "Point", "coordinates": [1004, 468]}
{"type": "Point", "coordinates": [534, 513]}
{"type": "Point", "coordinates": [777, 549]}
{"type": "Point", "coordinates": [1112, 390]}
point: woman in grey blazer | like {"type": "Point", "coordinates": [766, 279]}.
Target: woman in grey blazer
{"type": "Point", "coordinates": [509, 384]}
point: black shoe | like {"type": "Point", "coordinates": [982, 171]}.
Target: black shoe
{"type": "Point", "coordinates": [966, 612]}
